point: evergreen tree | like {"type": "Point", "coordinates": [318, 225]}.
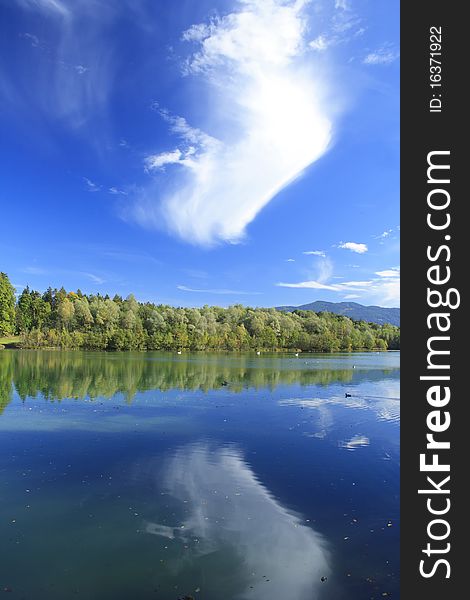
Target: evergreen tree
{"type": "Point", "coordinates": [7, 306]}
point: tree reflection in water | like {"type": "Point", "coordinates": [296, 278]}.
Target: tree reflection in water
{"type": "Point", "coordinates": [56, 375]}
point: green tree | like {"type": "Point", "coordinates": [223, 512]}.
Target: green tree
{"type": "Point", "coordinates": [24, 313]}
{"type": "Point", "coordinates": [32, 311]}
{"type": "Point", "coordinates": [7, 306]}
{"type": "Point", "coordinates": [65, 313]}
{"type": "Point", "coordinates": [83, 316]}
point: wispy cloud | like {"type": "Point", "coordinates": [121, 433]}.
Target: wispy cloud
{"type": "Point", "coordinates": [321, 43]}
{"type": "Point", "coordinates": [354, 247]}
{"type": "Point", "coordinates": [222, 291]}
{"type": "Point", "coordinates": [316, 253]}
{"type": "Point", "coordinates": [32, 39]}
{"type": "Point", "coordinates": [116, 191]}
{"type": "Point", "coordinates": [385, 288]}
{"type": "Point", "coordinates": [253, 64]}
{"type": "Point", "coordinates": [77, 62]}
{"type": "Point", "coordinates": [344, 26]}
{"type": "Point", "coordinates": [385, 234]}
{"type": "Point", "coordinates": [324, 269]}
{"type": "Point", "coordinates": [394, 272]}
{"type": "Point", "coordinates": [81, 69]}
{"type": "Point", "coordinates": [54, 7]}
{"type": "Point", "coordinates": [312, 285]}
{"type": "Point", "coordinates": [335, 287]}
{"type": "Point", "coordinates": [91, 186]}
{"type": "Point", "coordinates": [94, 278]}
{"type": "Point", "coordinates": [158, 161]}
{"type": "Point", "coordinates": [31, 270]}
{"type": "Point", "coordinates": [384, 55]}
{"type": "Point", "coordinates": [290, 259]}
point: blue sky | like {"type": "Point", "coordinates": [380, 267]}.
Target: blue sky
{"type": "Point", "coordinates": [202, 152]}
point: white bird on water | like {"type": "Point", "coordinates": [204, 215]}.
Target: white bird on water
{"type": "Point", "coordinates": [179, 351]}
{"type": "Point", "coordinates": [297, 354]}
{"type": "Point", "coordinates": [258, 352]}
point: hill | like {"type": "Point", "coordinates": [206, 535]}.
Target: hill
{"type": "Point", "coordinates": [353, 310]}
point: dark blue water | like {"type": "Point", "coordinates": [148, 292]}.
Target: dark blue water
{"type": "Point", "coordinates": [221, 477]}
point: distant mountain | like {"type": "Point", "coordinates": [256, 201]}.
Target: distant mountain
{"type": "Point", "coordinates": [353, 310]}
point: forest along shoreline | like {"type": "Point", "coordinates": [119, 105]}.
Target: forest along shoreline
{"type": "Point", "coordinates": [71, 320]}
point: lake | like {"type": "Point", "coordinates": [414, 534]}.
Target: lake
{"type": "Point", "coordinates": [215, 476]}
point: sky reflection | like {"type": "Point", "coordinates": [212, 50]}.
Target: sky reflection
{"type": "Point", "coordinates": [228, 510]}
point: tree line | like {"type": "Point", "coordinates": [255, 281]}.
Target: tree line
{"type": "Point", "coordinates": [70, 319]}
{"type": "Point", "coordinates": [54, 376]}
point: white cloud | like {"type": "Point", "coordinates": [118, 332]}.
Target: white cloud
{"type": "Point", "coordinates": [324, 272]}
{"type": "Point", "coordinates": [158, 161]}
{"type": "Point", "coordinates": [336, 287]}
{"type": "Point", "coordinates": [55, 7]}
{"type": "Point", "coordinates": [179, 126]}
{"type": "Point", "coordinates": [54, 89]}
{"type": "Point", "coordinates": [222, 291]}
{"type": "Point", "coordinates": [389, 291]}
{"type": "Point", "coordinates": [315, 285]}
{"type": "Point", "coordinates": [343, 23]}
{"type": "Point", "coordinates": [343, 27]}
{"type": "Point", "coordinates": [356, 284]}
{"type": "Point", "coordinates": [197, 33]}
{"type": "Point", "coordinates": [276, 124]}
{"type": "Point", "coordinates": [290, 259]}
{"type": "Point", "coordinates": [94, 278]}
{"type": "Point", "coordinates": [325, 269]}
{"type": "Point", "coordinates": [116, 191]}
{"type": "Point", "coordinates": [33, 39]}
{"type": "Point", "coordinates": [354, 247]}
{"type": "Point", "coordinates": [320, 43]}
{"type": "Point", "coordinates": [384, 234]}
{"type": "Point", "coordinates": [394, 272]}
{"type": "Point", "coordinates": [384, 289]}
{"type": "Point", "coordinates": [316, 253]}
{"type": "Point", "coordinates": [385, 55]}
{"type": "Point", "coordinates": [80, 69]}
{"type": "Point", "coordinates": [91, 186]}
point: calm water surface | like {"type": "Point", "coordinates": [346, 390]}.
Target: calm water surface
{"type": "Point", "coordinates": [221, 477]}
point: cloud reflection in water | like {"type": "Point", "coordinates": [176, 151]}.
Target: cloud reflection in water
{"type": "Point", "coordinates": [230, 512]}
